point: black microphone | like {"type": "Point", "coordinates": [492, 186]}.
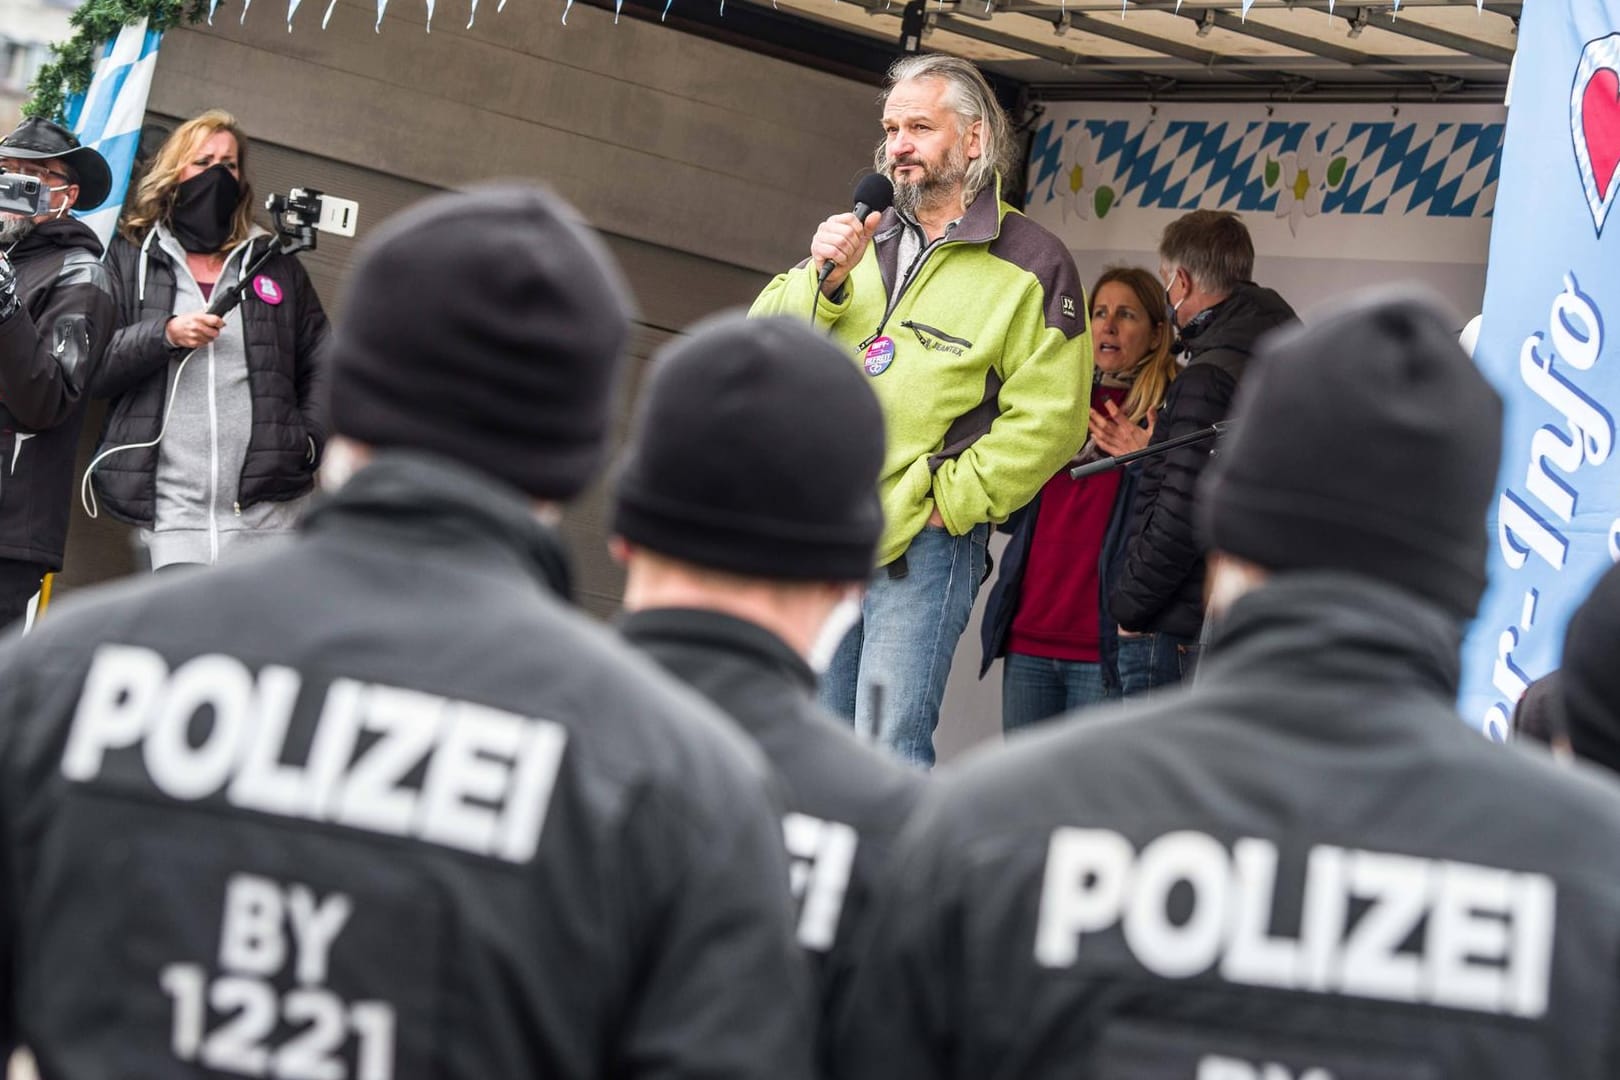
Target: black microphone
{"type": "Point", "coordinates": [873, 193]}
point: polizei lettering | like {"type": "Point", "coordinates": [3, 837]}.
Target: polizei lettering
{"type": "Point", "coordinates": [382, 759]}
{"type": "Point", "coordinates": [821, 855]}
{"type": "Point", "coordinates": [1425, 931]}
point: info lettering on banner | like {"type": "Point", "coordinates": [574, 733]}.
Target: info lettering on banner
{"type": "Point", "coordinates": [1548, 343]}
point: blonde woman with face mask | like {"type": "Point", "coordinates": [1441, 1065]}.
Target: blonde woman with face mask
{"type": "Point", "coordinates": [1047, 615]}
{"type": "Point", "coordinates": [217, 423]}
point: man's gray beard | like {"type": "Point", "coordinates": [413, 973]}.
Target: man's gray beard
{"type": "Point", "coordinates": [910, 198]}
{"type": "Point", "coordinates": [907, 197]}
{"type": "Point", "coordinates": [14, 228]}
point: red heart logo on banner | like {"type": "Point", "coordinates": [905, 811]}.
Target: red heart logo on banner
{"type": "Point", "coordinates": [1600, 123]}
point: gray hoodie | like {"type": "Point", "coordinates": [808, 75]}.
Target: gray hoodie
{"type": "Point", "coordinates": [206, 437]}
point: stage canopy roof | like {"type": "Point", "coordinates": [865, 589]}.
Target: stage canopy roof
{"type": "Point", "coordinates": [1209, 50]}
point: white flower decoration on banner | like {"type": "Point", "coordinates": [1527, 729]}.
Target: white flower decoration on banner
{"type": "Point", "coordinates": [1299, 193]}
{"type": "Point", "coordinates": [1078, 176]}
{"type": "Point", "coordinates": [1302, 178]}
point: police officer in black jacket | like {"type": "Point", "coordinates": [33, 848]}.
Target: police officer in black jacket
{"type": "Point", "coordinates": [380, 805]}
{"type": "Point", "coordinates": [1306, 866]}
{"type": "Point", "coordinates": [747, 515]}
{"type": "Point", "coordinates": [56, 316]}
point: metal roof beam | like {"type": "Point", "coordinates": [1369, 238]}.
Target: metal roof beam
{"type": "Point", "coordinates": [1272, 92]}
{"type": "Point", "coordinates": [1511, 8]}
{"type": "Point", "coordinates": [1176, 57]}
{"type": "Point", "coordinates": [1119, 30]}
{"type": "Point", "coordinates": [1115, 30]}
{"type": "Point", "coordinates": [1224, 20]}
{"type": "Point", "coordinates": [1388, 21]}
{"type": "Point", "coordinates": [976, 29]}
{"type": "Point", "coordinates": [1446, 39]}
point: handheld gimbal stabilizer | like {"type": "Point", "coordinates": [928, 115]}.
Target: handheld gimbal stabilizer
{"type": "Point", "coordinates": [1090, 468]}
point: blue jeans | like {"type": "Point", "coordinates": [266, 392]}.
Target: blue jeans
{"type": "Point", "coordinates": [1036, 688]}
{"type": "Point", "coordinates": [1149, 661]}
{"type": "Point", "coordinates": [888, 675]}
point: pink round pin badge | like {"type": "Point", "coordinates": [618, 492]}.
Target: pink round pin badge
{"type": "Point", "coordinates": [266, 290]}
{"type": "Point", "coordinates": [879, 355]}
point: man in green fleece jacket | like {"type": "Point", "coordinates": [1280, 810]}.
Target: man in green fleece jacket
{"type": "Point", "coordinates": [971, 322]}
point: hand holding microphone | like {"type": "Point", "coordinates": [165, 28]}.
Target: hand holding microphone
{"type": "Point", "coordinates": [841, 240]}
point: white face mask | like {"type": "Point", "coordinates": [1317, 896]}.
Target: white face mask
{"type": "Point", "coordinates": [56, 215]}
{"type": "Point", "coordinates": [1172, 310]}
{"type": "Point", "coordinates": [840, 620]}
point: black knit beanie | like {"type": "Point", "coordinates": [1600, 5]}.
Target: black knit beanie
{"type": "Point", "coordinates": [1590, 675]}
{"type": "Point", "coordinates": [1367, 442]}
{"type": "Point", "coordinates": [486, 326]}
{"type": "Point", "coordinates": [756, 451]}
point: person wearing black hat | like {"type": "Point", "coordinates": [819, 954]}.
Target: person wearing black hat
{"type": "Point", "coordinates": [378, 803]}
{"type": "Point", "coordinates": [745, 565]}
{"type": "Point", "coordinates": [1305, 864]}
{"type": "Point", "coordinates": [56, 315]}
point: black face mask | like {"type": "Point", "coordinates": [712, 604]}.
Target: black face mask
{"type": "Point", "coordinates": [203, 207]}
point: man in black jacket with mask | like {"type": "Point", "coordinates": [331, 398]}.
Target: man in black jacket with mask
{"type": "Point", "coordinates": [1305, 865]}
{"type": "Point", "coordinates": [1205, 259]}
{"type": "Point", "coordinates": [379, 804]}
{"type": "Point", "coordinates": [56, 315]}
{"type": "Point", "coordinates": [747, 516]}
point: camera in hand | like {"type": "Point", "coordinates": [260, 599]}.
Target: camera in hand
{"type": "Point", "coordinates": [302, 211]}
{"type": "Point", "coordinates": [297, 216]}
{"type": "Point", "coordinates": [24, 195]}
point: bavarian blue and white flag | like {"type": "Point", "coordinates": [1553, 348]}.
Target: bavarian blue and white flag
{"type": "Point", "coordinates": [108, 115]}
{"type": "Point", "coordinates": [1550, 343]}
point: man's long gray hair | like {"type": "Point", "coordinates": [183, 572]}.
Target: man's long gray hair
{"type": "Point", "coordinates": [969, 96]}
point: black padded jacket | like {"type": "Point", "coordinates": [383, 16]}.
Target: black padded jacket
{"type": "Point", "coordinates": [1305, 865]}
{"type": "Point", "coordinates": [846, 802]}
{"type": "Point", "coordinates": [50, 350]}
{"type": "Point", "coordinates": [378, 804]}
{"type": "Point", "coordinates": [1161, 581]}
{"type": "Point", "coordinates": [287, 376]}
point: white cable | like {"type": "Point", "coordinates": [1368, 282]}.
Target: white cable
{"type": "Point", "coordinates": [87, 494]}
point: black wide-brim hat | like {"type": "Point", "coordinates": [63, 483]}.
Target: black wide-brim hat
{"type": "Point", "coordinates": [37, 138]}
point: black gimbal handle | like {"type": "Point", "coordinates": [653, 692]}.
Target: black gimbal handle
{"type": "Point", "coordinates": [1091, 468]}
{"type": "Point", "coordinates": [284, 244]}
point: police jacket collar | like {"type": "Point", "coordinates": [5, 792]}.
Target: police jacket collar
{"type": "Point", "coordinates": [1323, 628]}
{"type": "Point", "coordinates": [739, 638]}
{"type": "Point", "coordinates": [416, 498]}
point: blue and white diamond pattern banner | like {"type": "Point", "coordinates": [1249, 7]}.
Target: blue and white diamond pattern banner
{"type": "Point", "coordinates": [1303, 177]}
{"type": "Point", "coordinates": [108, 115]}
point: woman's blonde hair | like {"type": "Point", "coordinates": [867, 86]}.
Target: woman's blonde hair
{"type": "Point", "coordinates": [1155, 371]}
{"type": "Point", "coordinates": [154, 197]}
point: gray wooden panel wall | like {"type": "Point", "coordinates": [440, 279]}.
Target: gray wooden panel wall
{"type": "Point", "coordinates": [655, 135]}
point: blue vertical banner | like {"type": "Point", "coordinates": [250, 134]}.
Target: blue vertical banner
{"type": "Point", "coordinates": [1550, 342]}
{"type": "Point", "coordinates": [108, 115]}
